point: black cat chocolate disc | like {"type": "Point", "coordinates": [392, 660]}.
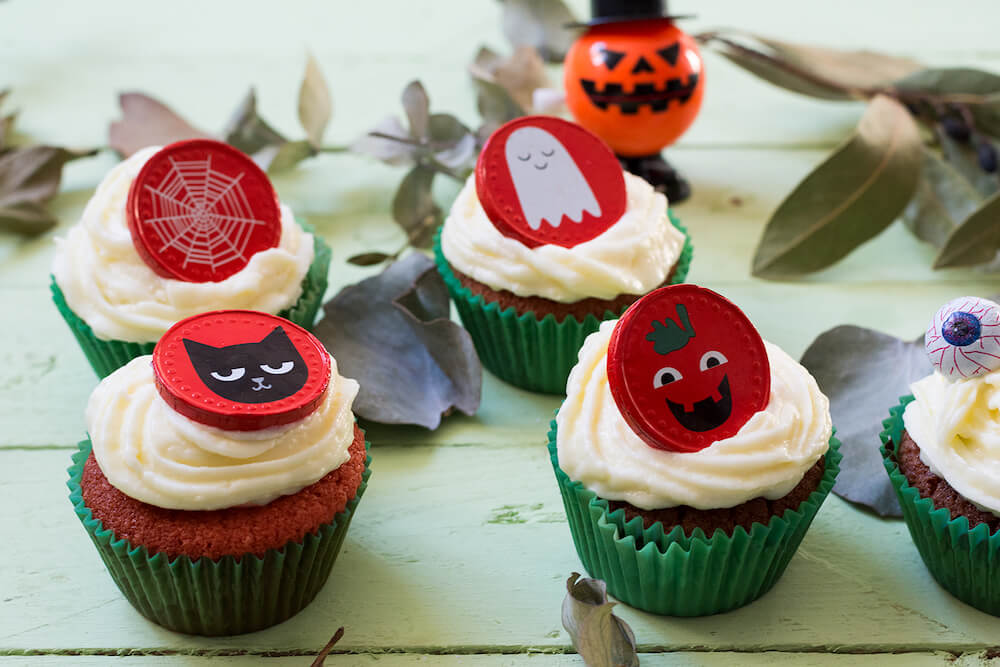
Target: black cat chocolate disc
{"type": "Point", "coordinates": [200, 209]}
{"type": "Point", "coordinates": [241, 370]}
{"type": "Point", "coordinates": [687, 368]}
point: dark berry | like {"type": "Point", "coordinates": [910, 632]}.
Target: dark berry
{"type": "Point", "coordinates": [987, 155]}
{"type": "Point", "coordinates": [956, 128]}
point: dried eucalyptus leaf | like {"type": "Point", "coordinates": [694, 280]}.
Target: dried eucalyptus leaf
{"type": "Point", "coordinates": [976, 240]}
{"type": "Point", "coordinates": [964, 82]}
{"type": "Point", "coordinates": [495, 105]}
{"type": "Point", "coordinates": [962, 157]}
{"type": "Point", "coordinates": [454, 144]}
{"type": "Point", "coordinates": [520, 74]}
{"type": "Point", "coordinates": [414, 208]}
{"type": "Point", "coordinates": [275, 159]}
{"type": "Point", "coordinates": [864, 372]}
{"type": "Point", "coordinates": [392, 334]}
{"type": "Point", "coordinates": [27, 218]}
{"type": "Point", "coordinates": [29, 178]}
{"type": "Point", "coordinates": [848, 199]}
{"type": "Point", "coordinates": [6, 128]}
{"type": "Point", "coordinates": [147, 122]}
{"type": "Point", "coordinates": [541, 24]}
{"type": "Point", "coordinates": [368, 258]}
{"type": "Point", "coordinates": [825, 73]}
{"type": "Point", "coordinates": [601, 638]}
{"type": "Point", "coordinates": [315, 103]}
{"type": "Point", "coordinates": [417, 106]}
{"type": "Point", "coordinates": [247, 131]}
{"type": "Point", "coordinates": [390, 151]}
{"type": "Point", "coordinates": [943, 199]}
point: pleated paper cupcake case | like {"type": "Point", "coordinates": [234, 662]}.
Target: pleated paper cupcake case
{"type": "Point", "coordinates": [106, 356]}
{"type": "Point", "coordinates": [676, 574]}
{"type": "Point", "coordinates": [966, 562]}
{"type": "Point", "coordinates": [522, 350]}
{"type": "Point", "coordinates": [225, 597]}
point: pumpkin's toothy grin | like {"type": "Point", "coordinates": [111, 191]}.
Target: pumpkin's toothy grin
{"type": "Point", "coordinates": [705, 414]}
{"type": "Point", "coordinates": [642, 93]}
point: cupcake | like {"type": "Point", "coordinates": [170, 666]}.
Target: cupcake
{"type": "Point", "coordinates": [221, 473]}
{"type": "Point", "coordinates": [175, 231]}
{"type": "Point", "coordinates": [940, 450]}
{"type": "Point", "coordinates": [691, 455]}
{"type": "Point", "coordinates": [548, 238]}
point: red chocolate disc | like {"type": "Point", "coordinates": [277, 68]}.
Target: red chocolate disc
{"type": "Point", "coordinates": [687, 368]}
{"type": "Point", "coordinates": [542, 180]}
{"type": "Point", "coordinates": [241, 370]}
{"type": "Point", "coordinates": [200, 209]}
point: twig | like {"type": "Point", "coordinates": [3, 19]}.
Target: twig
{"type": "Point", "coordinates": [321, 657]}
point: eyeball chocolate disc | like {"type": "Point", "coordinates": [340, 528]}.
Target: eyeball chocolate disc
{"type": "Point", "coordinates": [963, 339]}
{"type": "Point", "coordinates": [241, 370]}
{"type": "Point", "coordinates": [200, 209]}
{"type": "Point", "coordinates": [542, 180]}
{"type": "Point", "coordinates": [687, 368]}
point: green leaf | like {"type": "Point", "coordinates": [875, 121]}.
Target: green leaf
{"type": "Point", "coordinates": [315, 103]}
{"type": "Point", "coordinates": [393, 334]}
{"type": "Point", "coordinates": [848, 199]}
{"type": "Point", "coordinates": [962, 157]}
{"type": "Point", "coordinates": [863, 373]}
{"type": "Point", "coordinates": [368, 258]}
{"type": "Point", "coordinates": [414, 209]}
{"type": "Point", "coordinates": [976, 240]}
{"type": "Point", "coordinates": [601, 638]}
{"type": "Point", "coordinates": [943, 199]}
{"type": "Point", "coordinates": [247, 131]}
{"type": "Point", "coordinates": [275, 159]}
{"type": "Point", "coordinates": [417, 106]}
{"type": "Point", "coordinates": [147, 122]}
{"type": "Point", "coordinates": [541, 24]}
{"type": "Point", "coordinates": [830, 74]}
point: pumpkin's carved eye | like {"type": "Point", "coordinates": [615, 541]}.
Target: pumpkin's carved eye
{"type": "Point", "coordinates": [611, 58]}
{"type": "Point", "coordinates": [670, 53]}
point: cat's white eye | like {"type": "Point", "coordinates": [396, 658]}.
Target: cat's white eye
{"type": "Point", "coordinates": [280, 370]}
{"type": "Point", "coordinates": [234, 374]}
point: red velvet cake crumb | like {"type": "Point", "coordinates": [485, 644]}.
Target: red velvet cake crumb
{"type": "Point", "coordinates": [233, 531]}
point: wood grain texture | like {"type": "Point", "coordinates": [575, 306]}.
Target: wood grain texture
{"type": "Point", "coordinates": [460, 546]}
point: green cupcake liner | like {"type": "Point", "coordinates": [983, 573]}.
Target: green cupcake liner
{"type": "Point", "coordinates": [675, 574]}
{"type": "Point", "coordinates": [107, 356]}
{"type": "Point", "coordinates": [229, 596]}
{"type": "Point", "coordinates": [966, 562]}
{"type": "Point", "coordinates": [521, 349]}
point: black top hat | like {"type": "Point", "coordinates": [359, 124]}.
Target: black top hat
{"type": "Point", "coordinates": [616, 11]}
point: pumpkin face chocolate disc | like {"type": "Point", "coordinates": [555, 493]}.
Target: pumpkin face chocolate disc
{"type": "Point", "coordinates": [241, 370]}
{"type": "Point", "coordinates": [543, 180]}
{"type": "Point", "coordinates": [687, 368]}
{"type": "Point", "coordinates": [200, 209]}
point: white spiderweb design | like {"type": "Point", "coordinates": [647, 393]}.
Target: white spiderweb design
{"type": "Point", "coordinates": [980, 357]}
{"type": "Point", "coordinates": [202, 214]}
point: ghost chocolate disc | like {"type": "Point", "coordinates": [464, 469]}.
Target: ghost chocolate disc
{"type": "Point", "coordinates": [200, 209]}
{"type": "Point", "coordinates": [241, 370]}
{"type": "Point", "coordinates": [542, 180]}
{"type": "Point", "coordinates": [687, 368]}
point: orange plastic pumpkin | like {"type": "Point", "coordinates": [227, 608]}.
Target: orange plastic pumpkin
{"type": "Point", "coordinates": [638, 84]}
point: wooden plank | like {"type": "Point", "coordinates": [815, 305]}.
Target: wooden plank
{"type": "Point", "coordinates": [680, 659]}
{"type": "Point", "coordinates": [465, 549]}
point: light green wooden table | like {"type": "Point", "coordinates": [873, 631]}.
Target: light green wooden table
{"type": "Point", "coordinates": [460, 550]}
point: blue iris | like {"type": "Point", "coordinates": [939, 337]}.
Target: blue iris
{"type": "Point", "coordinates": [961, 329]}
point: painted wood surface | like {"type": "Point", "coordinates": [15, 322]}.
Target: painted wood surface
{"type": "Point", "coordinates": [459, 552]}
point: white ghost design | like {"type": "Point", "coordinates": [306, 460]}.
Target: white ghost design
{"type": "Point", "coordinates": [547, 181]}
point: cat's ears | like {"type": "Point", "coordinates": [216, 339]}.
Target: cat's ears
{"type": "Point", "coordinates": [277, 334]}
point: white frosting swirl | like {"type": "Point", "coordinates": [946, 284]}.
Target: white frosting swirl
{"type": "Point", "coordinates": [957, 426]}
{"type": "Point", "coordinates": [767, 457]}
{"type": "Point", "coordinates": [633, 256]}
{"type": "Point", "coordinates": [151, 453]}
{"type": "Point", "coordinates": [108, 285]}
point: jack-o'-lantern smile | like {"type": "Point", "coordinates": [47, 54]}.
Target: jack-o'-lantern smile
{"type": "Point", "coordinates": [629, 102]}
{"type": "Point", "coordinates": [706, 414]}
